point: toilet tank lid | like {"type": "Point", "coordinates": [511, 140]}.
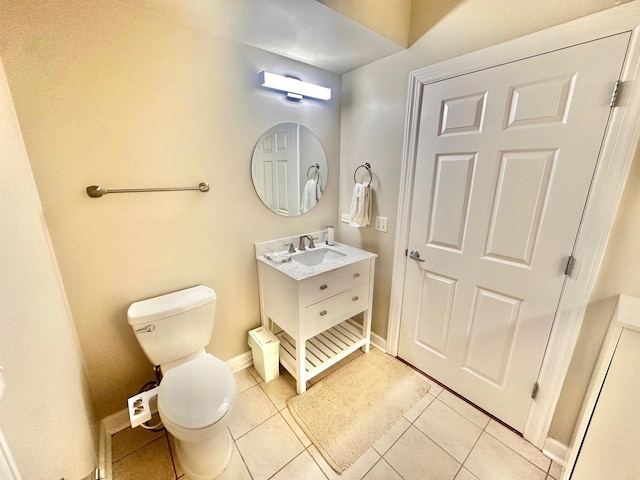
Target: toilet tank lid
{"type": "Point", "coordinates": [156, 308]}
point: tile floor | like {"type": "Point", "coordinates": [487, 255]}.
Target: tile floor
{"type": "Point", "coordinates": [440, 438]}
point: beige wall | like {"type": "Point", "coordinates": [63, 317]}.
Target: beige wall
{"type": "Point", "coordinates": [374, 107]}
{"type": "Point", "coordinates": [389, 18]}
{"type": "Point", "coordinates": [46, 414]}
{"type": "Point", "coordinates": [110, 94]}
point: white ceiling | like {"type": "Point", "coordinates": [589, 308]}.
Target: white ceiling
{"type": "Point", "coordinates": [304, 30]}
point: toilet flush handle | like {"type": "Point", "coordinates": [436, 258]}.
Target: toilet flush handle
{"type": "Point", "coordinates": [147, 329]}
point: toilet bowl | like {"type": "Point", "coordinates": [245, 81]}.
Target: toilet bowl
{"type": "Point", "coordinates": [194, 402]}
{"type": "Point", "coordinates": [198, 390]}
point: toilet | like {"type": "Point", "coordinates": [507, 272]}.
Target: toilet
{"type": "Point", "coordinates": [198, 390]}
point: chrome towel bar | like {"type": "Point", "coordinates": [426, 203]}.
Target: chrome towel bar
{"type": "Point", "coordinates": [95, 191]}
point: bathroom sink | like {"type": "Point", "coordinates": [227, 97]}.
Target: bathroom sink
{"type": "Point", "coordinates": [310, 258]}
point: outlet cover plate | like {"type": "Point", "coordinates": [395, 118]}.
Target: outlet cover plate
{"type": "Point", "coordinates": [381, 223]}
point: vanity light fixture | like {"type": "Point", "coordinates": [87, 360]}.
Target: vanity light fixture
{"type": "Point", "coordinates": [295, 89]}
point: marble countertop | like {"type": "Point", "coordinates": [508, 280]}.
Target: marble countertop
{"type": "Point", "coordinates": [298, 271]}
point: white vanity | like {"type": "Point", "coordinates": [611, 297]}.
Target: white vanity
{"type": "Point", "coordinates": [310, 299]}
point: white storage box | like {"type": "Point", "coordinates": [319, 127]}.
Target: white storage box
{"type": "Point", "coordinates": [265, 347]}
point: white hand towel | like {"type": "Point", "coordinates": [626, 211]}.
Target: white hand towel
{"type": "Point", "coordinates": [309, 196]}
{"type": "Point", "coordinates": [360, 211]}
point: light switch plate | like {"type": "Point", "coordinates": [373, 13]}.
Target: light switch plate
{"type": "Point", "coordinates": [381, 224]}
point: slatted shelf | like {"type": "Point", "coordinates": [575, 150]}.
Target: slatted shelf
{"type": "Point", "coordinates": [323, 350]}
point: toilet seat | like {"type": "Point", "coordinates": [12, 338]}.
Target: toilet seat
{"type": "Point", "coordinates": [196, 394]}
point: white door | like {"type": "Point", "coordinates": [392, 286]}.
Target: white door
{"type": "Point", "coordinates": [276, 173]}
{"type": "Point", "coordinates": [504, 161]}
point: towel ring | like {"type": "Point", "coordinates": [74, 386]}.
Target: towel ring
{"type": "Point", "coordinates": [366, 165]}
{"type": "Point", "coordinates": [317, 171]}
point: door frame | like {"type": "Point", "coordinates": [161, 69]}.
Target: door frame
{"type": "Point", "coordinates": [616, 155]}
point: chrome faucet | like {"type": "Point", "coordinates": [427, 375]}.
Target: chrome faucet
{"type": "Point", "coordinates": [301, 246]}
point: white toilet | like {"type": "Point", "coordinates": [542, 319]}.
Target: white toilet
{"type": "Point", "coordinates": [197, 390]}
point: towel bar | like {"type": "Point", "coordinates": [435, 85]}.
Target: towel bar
{"type": "Point", "coordinates": [96, 191]}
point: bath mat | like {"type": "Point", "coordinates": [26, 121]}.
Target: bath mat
{"type": "Point", "coordinates": [348, 411]}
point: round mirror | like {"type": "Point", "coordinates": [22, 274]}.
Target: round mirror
{"type": "Point", "coordinates": [289, 169]}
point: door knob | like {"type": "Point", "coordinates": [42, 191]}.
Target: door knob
{"type": "Point", "coordinates": [415, 255]}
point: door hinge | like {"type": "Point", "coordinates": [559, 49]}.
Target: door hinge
{"type": "Point", "coordinates": [534, 391]}
{"type": "Point", "coordinates": [614, 95]}
{"type": "Point", "coordinates": [571, 262]}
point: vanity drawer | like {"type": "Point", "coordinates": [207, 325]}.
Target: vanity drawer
{"type": "Point", "coordinates": [329, 284]}
{"type": "Point", "coordinates": [323, 315]}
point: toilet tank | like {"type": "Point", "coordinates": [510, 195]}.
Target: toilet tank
{"type": "Point", "coordinates": [174, 325]}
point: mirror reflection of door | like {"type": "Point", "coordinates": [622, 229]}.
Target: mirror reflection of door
{"type": "Point", "coordinates": [285, 159]}
{"type": "Point", "coordinates": [275, 163]}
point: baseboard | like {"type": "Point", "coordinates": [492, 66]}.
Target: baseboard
{"type": "Point", "coordinates": [240, 362]}
{"type": "Point", "coordinates": [376, 340]}
{"type": "Point", "coordinates": [556, 451]}
{"type": "Point", "coordinates": [379, 342]}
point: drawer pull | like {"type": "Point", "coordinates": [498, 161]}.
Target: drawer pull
{"type": "Point", "coordinates": [323, 287]}
{"type": "Point", "coordinates": [356, 275]}
{"type": "Point", "coordinates": [355, 299]}
{"type": "Point", "coordinates": [323, 313]}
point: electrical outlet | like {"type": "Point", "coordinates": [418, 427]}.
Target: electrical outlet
{"type": "Point", "coordinates": [381, 224]}
{"type": "Point", "coordinates": [140, 408]}
{"type": "Point", "coordinates": [344, 218]}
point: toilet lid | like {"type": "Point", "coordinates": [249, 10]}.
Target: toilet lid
{"type": "Point", "coordinates": [197, 393]}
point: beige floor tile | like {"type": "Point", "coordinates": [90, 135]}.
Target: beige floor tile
{"type": "Point", "coordinates": [300, 468]}
{"type": "Point", "coordinates": [415, 411]}
{"type": "Point", "coordinates": [394, 433]}
{"type": "Point", "coordinates": [131, 439]}
{"type": "Point", "coordinates": [269, 447]}
{"type": "Point", "coordinates": [450, 430]}
{"type": "Point", "coordinates": [151, 461]}
{"type": "Point", "coordinates": [518, 444]}
{"type": "Point", "coordinates": [490, 459]}
{"type": "Point", "coordinates": [465, 409]}
{"type": "Point", "coordinates": [382, 471]}
{"type": "Point", "coordinates": [280, 389]}
{"type": "Point", "coordinates": [251, 409]}
{"type": "Point", "coordinates": [236, 470]}
{"type": "Point", "coordinates": [556, 471]}
{"type": "Point", "coordinates": [416, 457]}
{"type": "Point", "coordinates": [286, 414]}
{"type": "Point", "coordinates": [465, 474]}
{"type": "Point", "coordinates": [435, 389]}
{"type": "Point", "coordinates": [244, 380]}
{"type": "Point", "coordinates": [254, 373]}
{"type": "Point", "coordinates": [355, 472]}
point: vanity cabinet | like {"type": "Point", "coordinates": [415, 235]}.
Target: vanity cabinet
{"type": "Point", "coordinates": [315, 310]}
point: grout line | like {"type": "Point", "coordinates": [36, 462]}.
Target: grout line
{"type": "Point", "coordinates": [518, 453]}
{"type": "Point", "coordinates": [173, 462]}
{"type": "Point", "coordinates": [242, 458]}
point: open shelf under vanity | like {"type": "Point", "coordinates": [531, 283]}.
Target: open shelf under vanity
{"type": "Point", "coordinates": [323, 350]}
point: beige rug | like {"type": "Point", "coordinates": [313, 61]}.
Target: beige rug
{"type": "Point", "coordinates": [348, 411]}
